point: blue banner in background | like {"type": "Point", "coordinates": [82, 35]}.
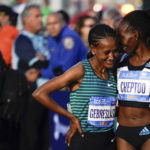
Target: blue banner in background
{"type": "Point", "coordinates": [59, 125]}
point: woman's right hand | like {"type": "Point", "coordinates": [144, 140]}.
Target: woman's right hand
{"type": "Point", "coordinates": [74, 126]}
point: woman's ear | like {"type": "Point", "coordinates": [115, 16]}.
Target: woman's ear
{"type": "Point", "coordinates": [136, 35]}
{"type": "Point", "coordinates": [93, 50]}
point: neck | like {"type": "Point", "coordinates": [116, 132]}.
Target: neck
{"type": "Point", "coordinates": [142, 55]}
{"type": "Point", "coordinates": [30, 30]}
{"type": "Point", "coordinates": [98, 68]}
{"type": "Point", "coordinates": [142, 52]}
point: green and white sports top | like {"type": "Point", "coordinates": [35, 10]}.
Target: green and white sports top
{"type": "Point", "coordinates": [93, 103]}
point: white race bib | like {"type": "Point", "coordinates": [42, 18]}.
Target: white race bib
{"type": "Point", "coordinates": [134, 86]}
{"type": "Point", "coordinates": [102, 111]}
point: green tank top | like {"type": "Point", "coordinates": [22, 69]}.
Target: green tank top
{"type": "Point", "coordinates": [91, 86]}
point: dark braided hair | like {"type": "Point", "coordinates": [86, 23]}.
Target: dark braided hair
{"type": "Point", "coordinates": [139, 20]}
{"type": "Point", "coordinates": [100, 31]}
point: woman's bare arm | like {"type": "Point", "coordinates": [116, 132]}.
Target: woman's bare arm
{"type": "Point", "coordinates": [42, 94]}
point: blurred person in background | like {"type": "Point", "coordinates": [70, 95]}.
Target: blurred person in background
{"type": "Point", "coordinates": [29, 48]}
{"type": "Point", "coordinates": [89, 12]}
{"type": "Point", "coordinates": [8, 32]}
{"type": "Point", "coordinates": [108, 15]}
{"type": "Point", "coordinates": [4, 129]}
{"type": "Point", "coordinates": [83, 26]}
{"type": "Point", "coordinates": [1, 72]}
{"type": "Point", "coordinates": [65, 46]}
{"type": "Point", "coordinates": [45, 10]}
{"type": "Point", "coordinates": [28, 57]}
{"type": "Point", "coordinates": [65, 15]}
{"type": "Point", "coordinates": [13, 101]}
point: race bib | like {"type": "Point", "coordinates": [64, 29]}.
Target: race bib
{"type": "Point", "coordinates": [101, 111]}
{"type": "Point", "coordinates": [134, 86]}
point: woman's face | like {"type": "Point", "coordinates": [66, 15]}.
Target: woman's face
{"type": "Point", "coordinates": [128, 37]}
{"type": "Point", "coordinates": [106, 51]}
{"type": "Point", "coordinates": [88, 24]}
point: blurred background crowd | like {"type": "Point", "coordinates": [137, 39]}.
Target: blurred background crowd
{"type": "Point", "coordinates": [76, 7]}
{"type": "Point", "coordinates": [41, 43]}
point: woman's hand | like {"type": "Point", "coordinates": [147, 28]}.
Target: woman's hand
{"type": "Point", "coordinates": [74, 126]}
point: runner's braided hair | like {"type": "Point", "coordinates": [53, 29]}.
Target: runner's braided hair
{"type": "Point", "coordinates": [139, 20]}
{"type": "Point", "coordinates": [100, 31]}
